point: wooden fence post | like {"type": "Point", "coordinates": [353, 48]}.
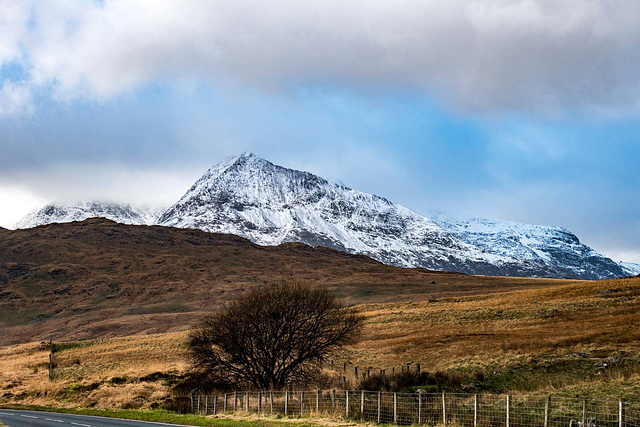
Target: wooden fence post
{"type": "Point", "coordinates": [620, 413]}
{"type": "Point", "coordinates": [346, 405]}
{"type": "Point", "coordinates": [215, 405]}
{"type": "Point", "coordinates": [508, 414]}
{"type": "Point", "coordinates": [444, 409]}
{"type": "Point", "coordinates": [395, 408]}
{"type": "Point", "coordinates": [475, 410]}
{"type": "Point", "coordinates": [286, 403]}
{"type": "Point", "coordinates": [206, 404]}
{"type": "Point", "coordinates": [235, 400]}
{"type": "Point", "coordinates": [193, 409]}
{"type": "Point", "coordinates": [317, 401]}
{"type": "Point", "coordinates": [379, 405]}
{"type": "Point", "coordinates": [224, 407]}
{"type": "Point", "coordinates": [50, 360]}
{"type": "Point", "coordinates": [301, 403]}
{"type": "Point", "coordinates": [547, 409]}
{"type": "Point", "coordinates": [198, 404]}
{"type": "Point", "coordinates": [584, 413]}
{"type": "Point", "coordinates": [419, 406]}
{"type": "Point", "coordinates": [271, 402]}
{"type": "Point", "coordinates": [362, 404]}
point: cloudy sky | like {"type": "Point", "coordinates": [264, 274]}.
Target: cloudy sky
{"type": "Point", "coordinates": [527, 110]}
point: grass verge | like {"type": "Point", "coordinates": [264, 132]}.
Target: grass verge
{"type": "Point", "coordinates": [159, 416]}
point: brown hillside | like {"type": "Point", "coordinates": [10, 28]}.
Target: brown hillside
{"type": "Point", "coordinates": [580, 340]}
{"type": "Point", "coordinates": [97, 278]}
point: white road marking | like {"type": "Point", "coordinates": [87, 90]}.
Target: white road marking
{"type": "Point", "coordinates": [57, 421]}
{"type": "Point", "coordinates": [112, 418]}
{"type": "Point", "coordinates": [6, 413]}
{"type": "Point", "coordinates": [83, 425]}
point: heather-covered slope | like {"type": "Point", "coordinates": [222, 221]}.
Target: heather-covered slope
{"type": "Point", "coordinates": [98, 278]}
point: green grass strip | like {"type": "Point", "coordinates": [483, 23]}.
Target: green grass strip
{"type": "Point", "coordinates": [159, 416]}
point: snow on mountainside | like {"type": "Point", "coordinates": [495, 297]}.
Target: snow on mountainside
{"type": "Point", "coordinates": [552, 246]}
{"type": "Point", "coordinates": [270, 204]}
{"type": "Point", "coordinates": [630, 268]}
{"type": "Point", "coordinates": [58, 212]}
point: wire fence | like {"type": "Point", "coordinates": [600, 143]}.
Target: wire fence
{"type": "Point", "coordinates": [455, 409]}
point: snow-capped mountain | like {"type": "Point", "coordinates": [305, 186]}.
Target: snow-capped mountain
{"type": "Point", "coordinates": [555, 247]}
{"type": "Point", "coordinates": [59, 212]}
{"type": "Point", "coordinates": [630, 268]}
{"type": "Point", "coordinates": [270, 204]}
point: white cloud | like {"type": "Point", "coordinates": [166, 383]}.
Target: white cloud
{"type": "Point", "coordinates": [16, 202]}
{"type": "Point", "coordinates": [83, 181]}
{"type": "Point", "coordinates": [624, 255]}
{"type": "Point", "coordinates": [15, 99]}
{"type": "Point", "coordinates": [14, 18]}
{"type": "Point", "coordinates": [532, 55]}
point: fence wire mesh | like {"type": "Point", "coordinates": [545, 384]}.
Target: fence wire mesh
{"type": "Point", "coordinates": [431, 409]}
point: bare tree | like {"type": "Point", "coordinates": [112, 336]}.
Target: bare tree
{"type": "Point", "coordinates": [272, 336]}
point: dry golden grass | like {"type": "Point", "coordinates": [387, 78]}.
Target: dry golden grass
{"type": "Point", "coordinates": [553, 339]}
{"type": "Point", "coordinates": [448, 332]}
{"type": "Point", "coordinates": [101, 373]}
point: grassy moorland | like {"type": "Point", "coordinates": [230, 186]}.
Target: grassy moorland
{"type": "Point", "coordinates": [576, 339]}
{"type": "Point", "coordinates": [99, 279]}
{"type": "Point", "coordinates": [579, 339]}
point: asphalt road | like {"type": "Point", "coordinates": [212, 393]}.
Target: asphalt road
{"type": "Point", "coordinates": [13, 418]}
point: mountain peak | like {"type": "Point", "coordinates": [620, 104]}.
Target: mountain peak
{"type": "Point", "coordinates": [248, 158]}
{"type": "Point", "coordinates": [247, 155]}
{"type": "Point", "coordinates": [269, 204]}
{"type": "Point", "coordinates": [243, 158]}
{"type": "Point", "coordinates": [78, 211]}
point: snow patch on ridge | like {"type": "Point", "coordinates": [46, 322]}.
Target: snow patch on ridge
{"type": "Point", "coordinates": [630, 268]}
{"type": "Point", "coordinates": [79, 211]}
